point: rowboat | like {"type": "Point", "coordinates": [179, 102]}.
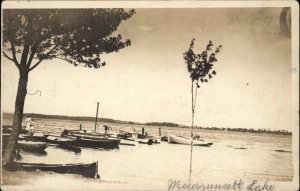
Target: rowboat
{"type": "Point", "coordinates": [111, 136]}
{"type": "Point", "coordinates": [101, 134]}
{"type": "Point", "coordinates": [88, 170]}
{"type": "Point", "coordinates": [186, 141]}
{"type": "Point", "coordinates": [31, 145]}
{"type": "Point", "coordinates": [61, 142]}
{"type": "Point", "coordinates": [24, 144]}
{"type": "Point", "coordinates": [92, 141]}
{"type": "Point", "coordinates": [8, 129]}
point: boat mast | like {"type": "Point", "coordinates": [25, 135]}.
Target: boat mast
{"type": "Point", "coordinates": [96, 116]}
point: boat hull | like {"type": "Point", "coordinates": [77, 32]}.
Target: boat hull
{"type": "Point", "coordinates": [32, 146]}
{"type": "Point", "coordinates": [92, 141]}
{"type": "Point", "coordinates": [186, 141]}
{"type": "Point", "coordinates": [88, 170]}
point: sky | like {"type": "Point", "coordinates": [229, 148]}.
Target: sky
{"type": "Point", "coordinates": [149, 81]}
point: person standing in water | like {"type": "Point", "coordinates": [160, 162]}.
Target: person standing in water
{"type": "Point", "coordinates": [28, 121]}
{"type": "Point", "coordinates": [29, 125]}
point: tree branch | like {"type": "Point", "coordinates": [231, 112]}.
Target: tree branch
{"type": "Point", "coordinates": [33, 51]}
{"type": "Point", "coordinates": [63, 59]}
{"type": "Point", "coordinates": [13, 50]}
{"type": "Point", "coordinates": [36, 64]}
{"type": "Point", "coordinates": [5, 55]}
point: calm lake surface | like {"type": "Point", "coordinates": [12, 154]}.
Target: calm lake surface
{"type": "Point", "coordinates": [233, 156]}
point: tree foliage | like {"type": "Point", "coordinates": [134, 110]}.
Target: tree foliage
{"type": "Point", "coordinates": [78, 36]}
{"type": "Point", "coordinates": [200, 65]}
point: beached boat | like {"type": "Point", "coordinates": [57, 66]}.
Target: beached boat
{"type": "Point", "coordinates": [186, 141]}
{"type": "Point", "coordinates": [84, 132]}
{"type": "Point", "coordinates": [92, 141]}
{"type": "Point", "coordinates": [31, 145]}
{"type": "Point", "coordinates": [111, 135]}
{"type": "Point", "coordinates": [8, 129]}
{"type": "Point", "coordinates": [23, 144]}
{"type": "Point", "coordinates": [88, 170]}
{"type": "Point", "coordinates": [63, 142]}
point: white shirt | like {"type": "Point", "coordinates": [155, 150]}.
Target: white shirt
{"type": "Point", "coordinates": [28, 122]}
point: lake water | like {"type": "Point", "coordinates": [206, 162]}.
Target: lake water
{"type": "Point", "coordinates": [151, 166]}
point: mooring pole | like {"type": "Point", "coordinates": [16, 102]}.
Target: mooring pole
{"type": "Point", "coordinates": [143, 131]}
{"type": "Point", "coordinates": [96, 116]}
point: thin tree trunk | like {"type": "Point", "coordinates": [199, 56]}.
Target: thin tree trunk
{"type": "Point", "coordinates": [18, 116]}
{"type": "Point", "coordinates": [191, 153]}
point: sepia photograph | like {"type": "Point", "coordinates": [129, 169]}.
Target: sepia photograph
{"type": "Point", "coordinates": [150, 95]}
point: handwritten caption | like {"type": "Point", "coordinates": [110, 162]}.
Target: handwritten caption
{"type": "Point", "coordinates": [253, 185]}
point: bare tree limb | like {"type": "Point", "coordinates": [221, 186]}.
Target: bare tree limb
{"type": "Point", "coordinates": [33, 51]}
{"type": "Point", "coordinates": [36, 64]}
{"type": "Point", "coordinates": [13, 50]}
{"type": "Point", "coordinates": [5, 55]}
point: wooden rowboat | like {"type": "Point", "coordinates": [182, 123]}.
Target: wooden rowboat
{"type": "Point", "coordinates": [32, 146]}
{"type": "Point", "coordinates": [90, 141]}
{"type": "Point", "coordinates": [88, 170]}
{"type": "Point", "coordinates": [61, 142]}
{"type": "Point", "coordinates": [186, 141]}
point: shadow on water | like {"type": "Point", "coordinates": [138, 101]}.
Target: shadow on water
{"type": "Point", "coordinates": [34, 153]}
{"type": "Point", "coordinates": [282, 151]}
{"type": "Point", "coordinates": [241, 148]}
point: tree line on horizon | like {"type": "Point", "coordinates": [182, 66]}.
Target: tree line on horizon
{"type": "Point", "coordinates": [161, 124]}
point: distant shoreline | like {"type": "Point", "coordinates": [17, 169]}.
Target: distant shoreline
{"type": "Point", "coordinates": [162, 124]}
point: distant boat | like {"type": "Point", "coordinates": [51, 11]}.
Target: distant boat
{"type": "Point", "coordinates": [88, 170]}
{"type": "Point", "coordinates": [186, 141]}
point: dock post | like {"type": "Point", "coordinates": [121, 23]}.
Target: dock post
{"type": "Point", "coordinates": [159, 131]}
{"type": "Point", "coordinates": [143, 131]}
{"type": "Point", "coordinates": [96, 117]}
{"type": "Point", "coordinates": [80, 127]}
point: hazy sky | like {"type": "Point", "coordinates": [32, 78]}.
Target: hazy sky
{"type": "Point", "coordinates": [149, 80]}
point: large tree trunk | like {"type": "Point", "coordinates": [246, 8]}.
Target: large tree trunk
{"type": "Point", "coordinates": [18, 117]}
